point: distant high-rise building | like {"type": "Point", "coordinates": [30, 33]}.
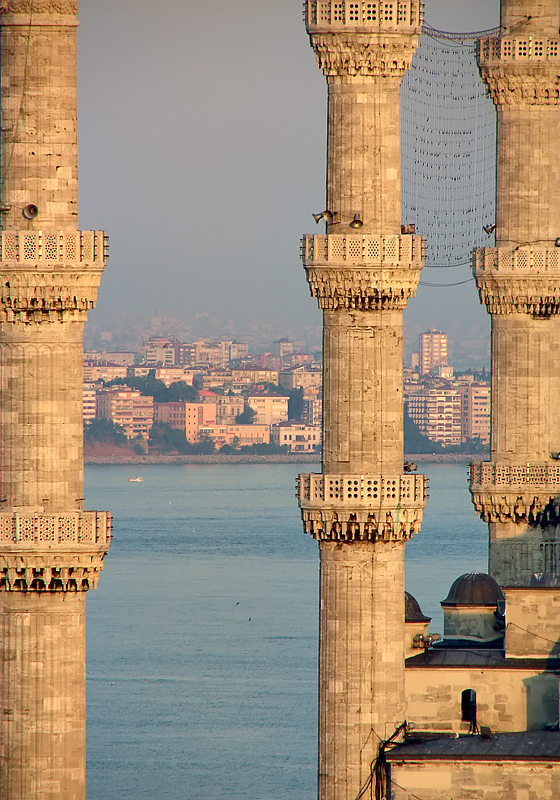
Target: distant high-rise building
{"type": "Point", "coordinates": [432, 350]}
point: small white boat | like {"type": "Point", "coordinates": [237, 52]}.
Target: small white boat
{"type": "Point", "coordinates": [136, 480]}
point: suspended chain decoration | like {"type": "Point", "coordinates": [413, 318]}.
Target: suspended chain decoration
{"type": "Point", "coordinates": [448, 149]}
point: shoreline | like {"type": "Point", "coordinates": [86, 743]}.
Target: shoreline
{"type": "Point", "coordinates": [133, 459]}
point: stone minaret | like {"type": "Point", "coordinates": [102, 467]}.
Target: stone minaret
{"type": "Point", "coordinates": [51, 550]}
{"type": "Point", "coordinates": [517, 492]}
{"type": "Point", "coordinates": [362, 508]}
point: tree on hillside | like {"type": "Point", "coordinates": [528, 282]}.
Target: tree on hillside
{"type": "Point", "coordinates": [246, 417]}
{"type": "Point", "coordinates": [150, 386]}
{"type": "Point", "coordinates": [105, 431]}
{"type": "Point", "coordinates": [416, 442]}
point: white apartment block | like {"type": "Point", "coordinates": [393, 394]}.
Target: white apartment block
{"type": "Point", "coordinates": [437, 412]}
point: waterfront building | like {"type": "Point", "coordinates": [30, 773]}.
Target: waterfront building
{"type": "Point", "coordinates": [197, 416]}
{"type": "Point", "coordinates": [51, 549]}
{"type": "Point", "coordinates": [127, 407]}
{"type": "Point", "coordinates": [236, 435]}
{"type": "Point", "coordinates": [297, 436]}
{"type": "Point", "coordinates": [437, 412]}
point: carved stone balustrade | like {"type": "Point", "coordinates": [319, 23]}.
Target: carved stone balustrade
{"type": "Point", "coordinates": [362, 507]}
{"type": "Point", "coordinates": [523, 280]}
{"type": "Point", "coordinates": [520, 70]}
{"type": "Point", "coordinates": [362, 272]}
{"type": "Point", "coordinates": [527, 493]}
{"type": "Point", "coordinates": [50, 275]}
{"type": "Point", "coordinates": [363, 38]}
{"type": "Point", "coordinates": [55, 552]}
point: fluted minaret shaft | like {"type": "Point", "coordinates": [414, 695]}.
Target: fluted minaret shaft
{"type": "Point", "coordinates": [519, 281]}
{"type": "Point", "coordinates": [361, 508]}
{"type": "Point", "coordinates": [51, 551]}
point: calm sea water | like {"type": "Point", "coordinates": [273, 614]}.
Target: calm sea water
{"type": "Point", "coordinates": [202, 635]}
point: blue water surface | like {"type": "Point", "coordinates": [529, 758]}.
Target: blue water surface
{"type": "Point", "coordinates": [202, 635]}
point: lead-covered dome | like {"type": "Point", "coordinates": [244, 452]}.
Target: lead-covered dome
{"type": "Point", "coordinates": [412, 610]}
{"type": "Point", "coordinates": [474, 589]}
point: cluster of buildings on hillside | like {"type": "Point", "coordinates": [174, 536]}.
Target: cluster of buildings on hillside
{"type": "Point", "coordinates": [448, 410]}
{"type": "Point", "coordinates": [228, 381]}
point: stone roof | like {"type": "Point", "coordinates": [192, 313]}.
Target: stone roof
{"type": "Point", "coordinates": [474, 589]}
{"type": "Point", "coordinates": [412, 610]}
{"type": "Point", "coordinates": [445, 656]}
{"type": "Point", "coordinates": [525, 746]}
{"type": "Point", "coordinates": [538, 580]}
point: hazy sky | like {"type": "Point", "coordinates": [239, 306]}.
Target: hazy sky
{"type": "Point", "coordinates": [202, 153]}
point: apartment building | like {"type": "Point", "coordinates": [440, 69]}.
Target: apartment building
{"type": "Point", "coordinates": [228, 407]}
{"type": "Point", "coordinates": [432, 350]}
{"type": "Point", "coordinates": [197, 417]}
{"type": "Point", "coordinates": [312, 409]}
{"type": "Point", "coordinates": [437, 412]}
{"type": "Point", "coordinates": [300, 377]}
{"type": "Point", "coordinates": [236, 435]}
{"type": "Point", "coordinates": [173, 414]}
{"type": "Point", "coordinates": [89, 401]}
{"type": "Point", "coordinates": [127, 407]}
{"type": "Point", "coordinates": [475, 409]}
{"type": "Point", "coordinates": [270, 408]}
{"type": "Point", "coordinates": [103, 372]}
{"type": "Point", "coordinates": [297, 436]}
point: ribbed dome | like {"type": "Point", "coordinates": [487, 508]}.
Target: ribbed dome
{"type": "Point", "coordinates": [412, 610]}
{"type": "Point", "coordinates": [474, 589]}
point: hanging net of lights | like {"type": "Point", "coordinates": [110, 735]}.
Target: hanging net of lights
{"type": "Point", "coordinates": [448, 148]}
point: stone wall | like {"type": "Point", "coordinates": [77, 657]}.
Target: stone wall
{"type": "Point", "coordinates": [507, 699]}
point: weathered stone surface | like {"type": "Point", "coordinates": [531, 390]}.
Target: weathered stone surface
{"type": "Point", "coordinates": [362, 273]}
{"type": "Point", "coordinates": [51, 551]}
{"type": "Point", "coordinates": [519, 282]}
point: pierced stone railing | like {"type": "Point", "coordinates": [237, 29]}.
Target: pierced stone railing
{"type": "Point", "coordinates": [490, 474]}
{"type": "Point", "coordinates": [364, 14]}
{"type": "Point", "coordinates": [335, 249]}
{"type": "Point", "coordinates": [367, 491]}
{"type": "Point", "coordinates": [54, 531]}
{"type": "Point", "coordinates": [361, 507]}
{"type": "Point", "coordinates": [495, 49]}
{"type": "Point", "coordinates": [55, 247]}
{"type": "Point", "coordinates": [528, 260]}
{"type": "Point", "coordinates": [527, 493]}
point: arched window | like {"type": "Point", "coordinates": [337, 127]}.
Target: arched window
{"type": "Point", "coordinates": [468, 709]}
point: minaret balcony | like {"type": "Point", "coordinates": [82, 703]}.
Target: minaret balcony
{"type": "Point", "coordinates": [520, 280]}
{"type": "Point", "coordinates": [26, 248]}
{"type": "Point", "coordinates": [517, 493]}
{"type": "Point", "coordinates": [54, 552]}
{"type": "Point", "coordinates": [363, 16]}
{"type": "Point", "coordinates": [348, 507]}
{"type": "Point", "coordinates": [495, 50]}
{"type": "Point", "coordinates": [362, 272]}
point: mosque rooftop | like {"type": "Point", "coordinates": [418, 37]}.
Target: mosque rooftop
{"type": "Point", "coordinates": [524, 746]}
